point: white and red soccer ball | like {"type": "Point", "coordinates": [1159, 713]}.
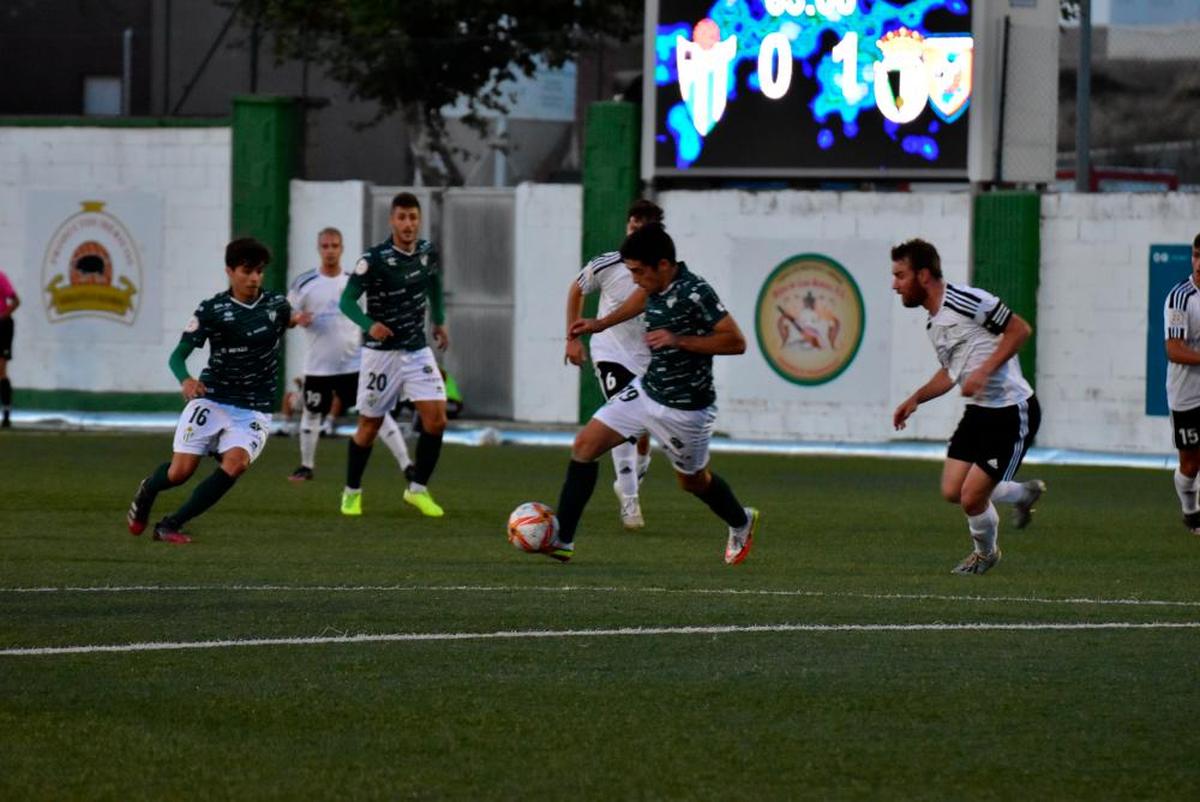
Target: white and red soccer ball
{"type": "Point", "coordinates": [532, 526]}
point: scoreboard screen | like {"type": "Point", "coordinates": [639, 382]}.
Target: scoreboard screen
{"type": "Point", "coordinates": [820, 88]}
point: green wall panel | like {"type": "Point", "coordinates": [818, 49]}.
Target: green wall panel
{"type": "Point", "coordinates": [610, 183]}
{"type": "Point", "coordinates": [1007, 244]}
{"type": "Point", "coordinates": [266, 156]}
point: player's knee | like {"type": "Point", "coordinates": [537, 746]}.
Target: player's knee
{"type": "Point", "coordinates": [178, 474]}
{"type": "Point", "coordinates": [1189, 462]}
{"type": "Point", "coordinates": [694, 483]}
{"type": "Point", "coordinates": [234, 463]}
{"type": "Point", "coordinates": [435, 424]}
{"type": "Point", "coordinates": [951, 493]}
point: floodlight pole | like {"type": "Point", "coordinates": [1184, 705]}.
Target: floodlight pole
{"type": "Point", "coordinates": [1083, 99]}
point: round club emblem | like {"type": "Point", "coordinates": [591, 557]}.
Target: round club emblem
{"type": "Point", "coordinates": [810, 319]}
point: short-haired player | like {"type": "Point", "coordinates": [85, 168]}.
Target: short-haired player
{"type": "Point", "coordinates": [686, 325]}
{"type": "Point", "coordinates": [332, 358]}
{"type": "Point", "coordinates": [402, 280]}
{"type": "Point", "coordinates": [228, 411]}
{"type": "Point", "coordinates": [619, 352]}
{"type": "Point", "coordinates": [976, 339]}
{"type": "Point", "coordinates": [1181, 319]}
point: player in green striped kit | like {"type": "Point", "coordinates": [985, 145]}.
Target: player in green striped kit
{"type": "Point", "coordinates": [398, 276]}
{"type": "Point", "coordinates": [228, 413]}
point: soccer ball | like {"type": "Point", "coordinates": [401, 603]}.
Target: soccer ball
{"type": "Point", "coordinates": [532, 526]}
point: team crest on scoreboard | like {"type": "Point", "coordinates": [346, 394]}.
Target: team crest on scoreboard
{"type": "Point", "coordinates": [810, 319]}
{"type": "Point", "coordinates": [92, 268]}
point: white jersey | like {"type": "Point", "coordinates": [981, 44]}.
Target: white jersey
{"type": "Point", "coordinates": [624, 343]}
{"type": "Point", "coordinates": [334, 340]}
{"type": "Point", "coordinates": [965, 332]}
{"type": "Point", "coordinates": [1181, 319]}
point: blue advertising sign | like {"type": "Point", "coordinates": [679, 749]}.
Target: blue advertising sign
{"type": "Point", "coordinates": [1169, 265]}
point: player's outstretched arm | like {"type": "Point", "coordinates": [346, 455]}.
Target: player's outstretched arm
{"type": "Point", "coordinates": [1016, 332]}
{"type": "Point", "coordinates": [630, 308]}
{"type": "Point", "coordinates": [726, 338]}
{"type": "Point", "coordinates": [939, 385]}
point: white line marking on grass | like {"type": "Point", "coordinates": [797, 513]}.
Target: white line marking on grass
{"type": "Point", "coordinates": [591, 589]}
{"type": "Point", "coordinates": [166, 646]}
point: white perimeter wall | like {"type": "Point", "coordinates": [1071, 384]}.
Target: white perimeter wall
{"type": "Point", "coordinates": [1093, 315]}
{"type": "Point", "coordinates": [187, 172]}
{"type": "Point", "coordinates": [1092, 307]}
{"type": "Point", "coordinates": [549, 231]}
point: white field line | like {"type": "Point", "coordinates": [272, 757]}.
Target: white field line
{"type": "Point", "coordinates": [165, 646]}
{"type": "Point", "coordinates": [591, 589]}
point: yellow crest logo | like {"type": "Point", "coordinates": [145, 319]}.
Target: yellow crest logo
{"type": "Point", "coordinates": [92, 268]}
{"type": "Point", "coordinates": [810, 319]}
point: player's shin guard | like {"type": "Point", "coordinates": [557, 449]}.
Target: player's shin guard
{"type": "Point", "coordinates": [206, 494]}
{"type": "Point", "coordinates": [310, 432]}
{"type": "Point", "coordinates": [429, 448]}
{"type": "Point", "coordinates": [356, 463]}
{"type": "Point", "coordinates": [5, 393]}
{"type": "Point", "coordinates": [625, 463]}
{"type": "Point", "coordinates": [985, 528]}
{"type": "Point", "coordinates": [1185, 488]}
{"type": "Point", "coordinates": [720, 499]}
{"type": "Point", "coordinates": [576, 490]}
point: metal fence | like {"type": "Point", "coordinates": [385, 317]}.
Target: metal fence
{"type": "Point", "coordinates": [1145, 93]}
{"type": "Point", "coordinates": [473, 229]}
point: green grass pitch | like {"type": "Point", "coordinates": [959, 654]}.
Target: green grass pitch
{"type": "Point", "coordinates": [833, 664]}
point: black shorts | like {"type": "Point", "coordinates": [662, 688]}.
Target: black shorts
{"type": "Point", "coordinates": [613, 377]}
{"type": "Point", "coordinates": [319, 391]}
{"type": "Point", "coordinates": [1186, 426]}
{"type": "Point", "coordinates": [996, 439]}
{"type": "Point", "coordinates": [6, 337]}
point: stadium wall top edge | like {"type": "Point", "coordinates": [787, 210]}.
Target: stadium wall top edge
{"type": "Point", "coordinates": [115, 122]}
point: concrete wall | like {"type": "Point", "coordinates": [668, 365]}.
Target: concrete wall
{"type": "Point", "coordinates": [170, 189]}
{"type": "Point", "coordinates": [1092, 308]}
{"type": "Point", "coordinates": [714, 230]}
{"type": "Point", "coordinates": [546, 259]}
{"type": "Point", "coordinates": [1093, 316]}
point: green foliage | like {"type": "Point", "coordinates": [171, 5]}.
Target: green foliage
{"type": "Point", "coordinates": [1054, 714]}
{"type": "Point", "coordinates": [419, 57]}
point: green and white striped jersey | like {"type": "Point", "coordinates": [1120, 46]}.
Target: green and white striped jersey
{"type": "Point", "coordinates": [689, 308]}
{"type": "Point", "coordinates": [396, 285]}
{"type": "Point", "coordinates": [243, 343]}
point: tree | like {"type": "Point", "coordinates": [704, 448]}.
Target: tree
{"type": "Point", "coordinates": [415, 58]}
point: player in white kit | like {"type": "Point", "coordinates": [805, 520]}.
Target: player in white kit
{"type": "Point", "coordinates": [976, 338]}
{"type": "Point", "coordinates": [619, 353]}
{"type": "Point", "coordinates": [334, 352]}
{"type": "Point", "coordinates": [1181, 317]}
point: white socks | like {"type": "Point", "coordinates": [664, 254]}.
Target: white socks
{"type": "Point", "coordinates": [1185, 488]}
{"type": "Point", "coordinates": [310, 430]}
{"type": "Point", "coordinates": [643, 465]}
{"type": "Point", "coordinates": [984, 529]}
{"type": "Point", "coordinates": [1010, 492]}
{"type": "Point", "coordinates": [625, 458]}
{"type": "Point", "coordinates": [393, 438]}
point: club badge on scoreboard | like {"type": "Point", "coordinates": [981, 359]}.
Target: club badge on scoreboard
{"type": "Point", "coordinates": [809, 319]}
{"type": "Point", "coordinates": [92, 268]}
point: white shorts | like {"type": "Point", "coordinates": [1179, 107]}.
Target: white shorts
{"type": "Point", "coordinates": [206, 427]}
{"type": "Point", "coordinates": [387, 376]}
{"type": "Point", "coordinates": [683, 433]}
